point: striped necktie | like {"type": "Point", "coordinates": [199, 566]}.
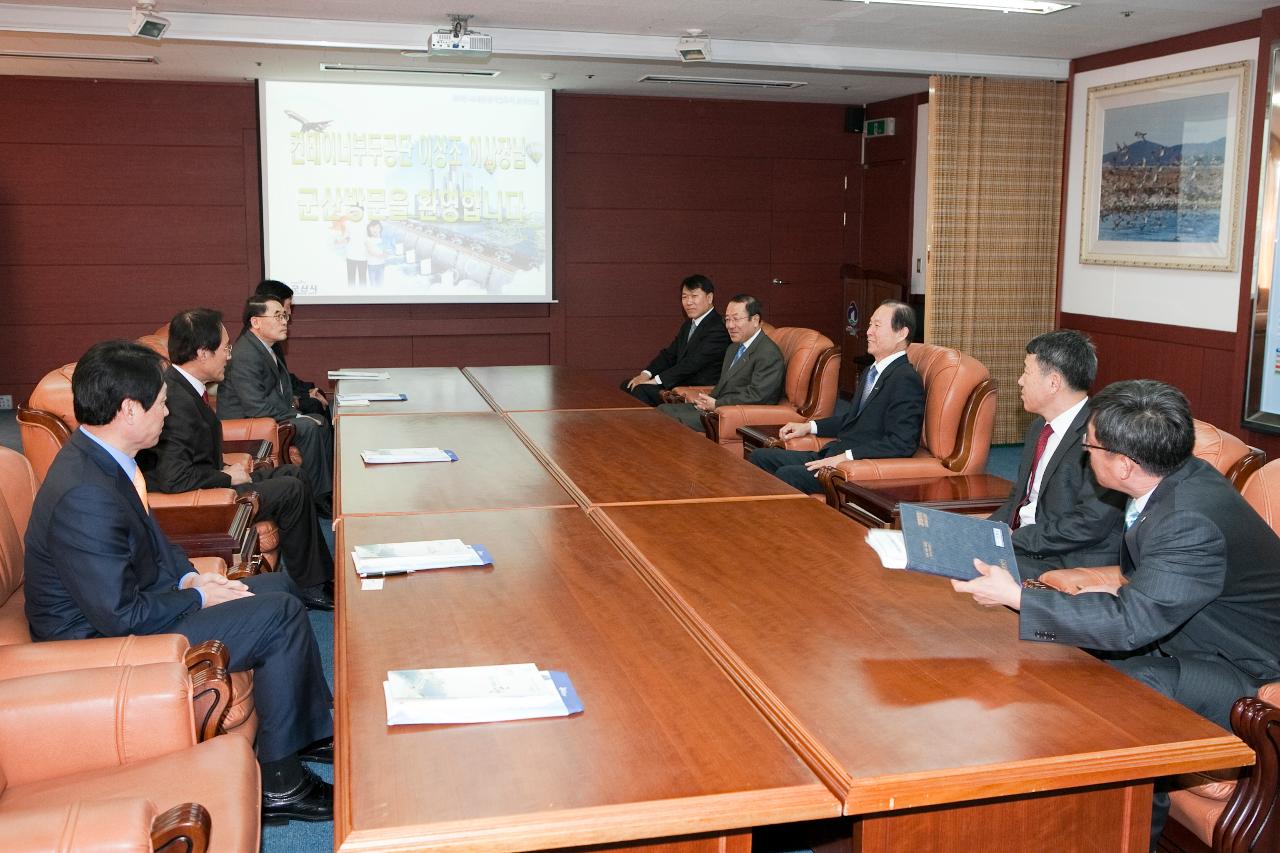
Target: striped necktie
{"type": "Point", "coordinates": [872, 373]}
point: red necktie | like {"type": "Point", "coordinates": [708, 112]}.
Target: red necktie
{"type": "Point", "coordinates": [1041, 442]}
{"type": "Point", "coordinates": [204, 395]}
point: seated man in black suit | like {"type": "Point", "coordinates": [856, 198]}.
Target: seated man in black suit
{"type": "Point", "coordinates": [97, 565]}
{"type": "Point", "coordinates": [189, 454]}
{"type": "Point", "coordinates": [884, 421]}
{"type": "Point", "coordinates": [1061, 517]}
{"type": "Point", "coordinates": [1196, 612]}
{"type": "Point", "coordinates": [694, 357]}
{"type": "Point", "coordinates": [311, 400]}
{"type": "Point", "coordinates": [257, 385]}
{"type": "Point", "coordinates": [752, 368]}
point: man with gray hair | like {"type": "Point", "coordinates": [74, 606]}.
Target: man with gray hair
{"type": "Point", "coordinates": [1061, 517]}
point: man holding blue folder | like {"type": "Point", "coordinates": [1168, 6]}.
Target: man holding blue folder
{"type": "Point", "coordinates": [1196, 612]}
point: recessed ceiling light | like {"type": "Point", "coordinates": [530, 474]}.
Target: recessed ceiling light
{"type": "Point", "coordinates": [78, 57]}
{"type": "Point", "coordinates": [1034, 7]}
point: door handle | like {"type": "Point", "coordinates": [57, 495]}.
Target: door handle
{"type": "Point", "coordinates": [777, 282]}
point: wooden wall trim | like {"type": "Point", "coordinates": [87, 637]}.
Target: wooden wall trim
{"type": "Point", "coordinates": [1155, 332]}
{"type": "Point", "coordinates": [1178, 44]}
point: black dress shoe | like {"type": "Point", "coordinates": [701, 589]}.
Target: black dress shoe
{"type": "Point", "coordinates": [312, 799]}
{"type": "Point", "coordinates": [320, 752]}
{"type": "Point", "coordinates": [317, 597]}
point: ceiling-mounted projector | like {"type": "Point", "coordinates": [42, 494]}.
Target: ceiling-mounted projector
{"type": "Point", "coordinates": [459, 40]}
{"type": "Point", "coordinates": [145, 23]}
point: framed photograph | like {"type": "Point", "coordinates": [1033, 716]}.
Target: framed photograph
{"type": "Point", "coordinates": [1163, 166]}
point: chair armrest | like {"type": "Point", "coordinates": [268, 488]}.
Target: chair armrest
{"type": "Point", "coordinates": [1075, 581]}
{"type": "Point", "coordinates": [257, 437]}
{"type": "Point", "coordinates": [734, 418]}
{"type": "Point", "coordinates": [684, 393]}
{"type": "Point", "coordinates": [196, 498]}
{"type": "Point", "coordinates": [62, 723]}
{"type": "Point", "coordinates": [219, 530]}
{"type": "Point", "coordinates": [23, 659]}
{"type": "Point", "coordinates": [1250, 819]}
{"type": "Point", "coordinates": [804, 442]}
{"type": "Point", "coordinates": [104, 826]}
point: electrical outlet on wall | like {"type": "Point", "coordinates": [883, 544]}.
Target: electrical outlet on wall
{"type": "Point", "coordinates": [6, 402]}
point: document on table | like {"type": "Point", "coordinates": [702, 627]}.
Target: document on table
{"type": "Point", "coordinates": [946, 543]}
{"type": "Point", "coordinates": [477, 694]}
{"type": "Point", "coordinates": [889, 547]}
{"type": "Point", "coordinates": [365, 399]}
{"type": "Point", "coordinates": [398, 558]}
{"type": "Point", "coordinates": [393, 455]}
{"type": "Point", "coordinates": [358, 374]}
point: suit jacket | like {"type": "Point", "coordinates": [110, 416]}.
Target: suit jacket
{"type": "Point", "coordinates": [1201, 566]}
{"type": "Point", "coordinates": [1078, 523]}
{"type": "Point", "coordinates": [189, 453]}
{"type": "Point", "coordinates": [692, 360]}
{"type": "Point", "coordinates": [756, 378]}
{"type": "Point", "coordinates": [97, 565]}
{"type": "Point", "coordinates": [257, 384]}
{"type": "Point", "coordinates": [888, 425]}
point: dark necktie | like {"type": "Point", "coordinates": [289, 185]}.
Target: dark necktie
{"type": "Point", "coordinates": [204, 395]}
{"type": "Point", "coordinates": [1041, 442]}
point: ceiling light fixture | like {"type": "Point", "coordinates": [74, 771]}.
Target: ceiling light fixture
{"type": "Point", "coordinates": [721, 81]}
{"type": "Point", "coordinates": [397, 69]}
{"type": "Point", "coordinates": [1032, 7]}
{"type": "Point", "coordinates": [77, 57]}
{"type": "Point", "coordinates": [694, 46]}
{"type": "Point", "coordinates": [145, 23]}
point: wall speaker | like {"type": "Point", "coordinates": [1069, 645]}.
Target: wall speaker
{"type": "Point", "coordinates": [853, 119]}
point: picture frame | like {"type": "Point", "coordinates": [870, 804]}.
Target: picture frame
{"type": "Point", "coordinates": [1164, 163]}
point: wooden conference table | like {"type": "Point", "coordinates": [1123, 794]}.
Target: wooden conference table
{"type": "Point", "coordinates": [719, 629]}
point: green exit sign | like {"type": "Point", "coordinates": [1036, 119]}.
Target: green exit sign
{"type": "Point", "coordinates": [878, 127]}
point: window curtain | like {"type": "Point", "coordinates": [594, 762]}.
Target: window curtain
{"type": "Point", "coordinates": [995, 187]}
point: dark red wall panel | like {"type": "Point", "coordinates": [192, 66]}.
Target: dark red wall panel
{"type": "Point", "coordinates": [124, 202]}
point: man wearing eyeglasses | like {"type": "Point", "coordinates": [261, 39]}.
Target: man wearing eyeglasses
{"type": "Point", "coordinates": [189, 454]}
{"type": "Point", "coordinates": [1195, 610]}
{"type": "Point", "coordinates": [258, 386]}
{"type": "Point", "coordinates": [752, 370]}
{"type": "Point", "coordinates": [1060, 516]}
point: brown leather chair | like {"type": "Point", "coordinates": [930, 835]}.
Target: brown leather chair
{"type": "Point", "coordinates": [959, 414]}
{"type": "Point", "coordinates": [72, 744]}
{"type": "Point", "coordinates": [1234, 459]}
{"type": "Point", "coordinates": [20, 657]}
{"type": "Point", "coordinates": [47, 421]}
{"type": "Point", "coordinates": [809, 390]}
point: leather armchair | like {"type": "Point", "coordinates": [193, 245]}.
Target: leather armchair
{"type": "Point", "coordinates": [809, 390]}
{"type": "Point", "coordinates": [960, 409]}
{"type": "Point", "coordinates": [1234, 459]}
{"type": "Point", "coordinates": [106, 826]}
{"type": "Point", "coordinates": [46, 423]}
{"type": "Point", "coordinates": [20, 657]}
{"type": "Point", "coordinates": [69, 741]}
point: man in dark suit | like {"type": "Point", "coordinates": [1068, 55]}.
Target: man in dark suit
{"type": "Point", "coordinates": [97, 565]}
{"type": "Point", "coordinates": [311, 400]}
{"type": "Point", "coordinates": [752, 369]}
{"type": "Point", "coordinates": [1196, 613]}
{"type": "Point", "coordinates": [1061, 517]}
{"type": "Point", "coordinates": [257, 385]}
{"type": "Point", "coordinates": [696, 354]}
{"type": "Point", "coordinates": [189, 454]}
{"type": "Point", "coordinates": [884, 421]}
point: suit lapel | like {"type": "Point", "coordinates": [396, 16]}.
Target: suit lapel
{"type": "Point", "coordinates": [203, 411]}
{"type": "Point", "coordinates": [111, 468]}
{"type": "Point", "coordinates": [1073, 436]}
{"type": "Point", "coordinates": [881, 380]}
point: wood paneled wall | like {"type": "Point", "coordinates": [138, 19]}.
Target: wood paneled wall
{"type": "Point", "coordinates": [123, 202]}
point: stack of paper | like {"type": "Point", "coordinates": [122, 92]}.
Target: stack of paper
{"type": "Point", "coordinates": [477, 694]}
{"type": "Point", "coordinates": [398, 558]}
{"type": "Point", "coordinates": [365, 399]}
{"type": "Point", "coordinates": [359, 374]}
{"type": "Point", "coordinates": [889, 547]}
{"type": "Point", "coordinates": [407, 454]}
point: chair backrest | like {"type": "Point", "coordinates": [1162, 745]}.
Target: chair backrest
{"type": "Point", "coordinates": [48, 419]}
{"type": "Point", "coordinates": [157, 343]}
{"type": "Point", "coordinates": [959, 402]}
{"type": "Point", "coordinates": [801, 349]}
{"type": "Point", "coordinates": [1262, 491]}
{"type": "Point", "coordinates": [1234, 459]}
{"type": "Point", "coordinates": [18, 487]}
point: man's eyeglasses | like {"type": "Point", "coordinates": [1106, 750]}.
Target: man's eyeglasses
{"type": "Point", "coordinates": [1087, 446]}
{"type": "Point", "coordinates": [281, 315]}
